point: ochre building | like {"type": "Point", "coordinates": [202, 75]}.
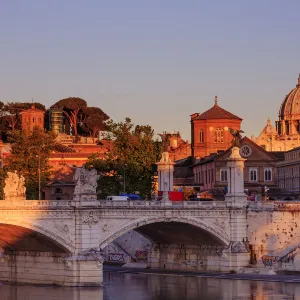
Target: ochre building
{"type": "Point", "coordinates": [286, 133]}
{"type": "Point", "coordinates": [210, 130]}
{"type": "Point", "coordinates": [31, 118]}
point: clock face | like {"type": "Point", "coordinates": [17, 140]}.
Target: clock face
{"type": "Point", "coordinates": [245, 150]}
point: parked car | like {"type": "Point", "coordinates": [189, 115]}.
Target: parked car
{"type": "Point", "coordinates": [132, 196]}
{"type": "Point", "coordinates": [117, 198]}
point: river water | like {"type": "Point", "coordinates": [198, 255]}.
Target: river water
{"type": "Point", "coordinates": [127, 286]}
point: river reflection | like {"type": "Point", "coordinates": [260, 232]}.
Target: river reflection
{"type": "Point", "coordinates": [125, 286]}
{"type": "Point", "coordinates": [170, 287]}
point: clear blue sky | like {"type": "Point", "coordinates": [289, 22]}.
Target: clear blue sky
{"type": "Point", "coordinates": [155, 61]}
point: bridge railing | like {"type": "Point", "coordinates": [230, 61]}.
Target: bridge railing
{"type": "Point", "coordinates": [152, 204]}
{"type": "Point", "coordinates": [37, 203]}
{"type": "Point", "coordinates": [274, 205]}
{"type": "Point", "coordinates": [160, 204]}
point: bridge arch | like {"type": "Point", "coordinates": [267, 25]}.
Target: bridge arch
{"type": "Point", "coordinates": [49, 236]}
{"type": "Point", "coordinates": [204, 225]}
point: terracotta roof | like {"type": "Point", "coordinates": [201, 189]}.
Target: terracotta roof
{"type": "Point", "coordinates": [216, 112]}
{"type": "Point", "coordinates": [32, 109]}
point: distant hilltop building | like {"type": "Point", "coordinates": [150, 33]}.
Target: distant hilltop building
{"type": "Point", "coordinates": [210, 130]}
{"type": "Point", "coordinates": [31, 118]}
{"type": "Point", "coordinates": [175, 145]}
{"type": "Point", "coordinates": [56, 119]}
{"type": "Point", "coordinates": [285, 136]}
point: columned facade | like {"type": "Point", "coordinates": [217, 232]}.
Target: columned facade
{"type": "Point", "coordinates": [286, 133]}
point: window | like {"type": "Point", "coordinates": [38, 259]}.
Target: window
{"type": "Point", "coordinates": [58, 191]}
{"type": "Point", "coordinates": [268, 174]}
{"type": "Point", "coordinates": [201, 136]}
{"type": "Point", "coordinates": [253, 174]}
{"type": "Point", "coordinates": [223, 174]}
{"type": "Point", "coordinates": [219, 135]}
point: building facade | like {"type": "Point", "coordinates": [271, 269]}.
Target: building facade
{"type": "Point", "coordinates": [289, 171]}
{"type": "Point", "coordinates": [31, 118]}
{"type": "Point", "coordinates": [211, 172]}
{"type": "Point", "coordinates": [286, 133]}
{"type": "Point", "coordinates": [210, 130]}
{"type": "Point", "coordinates": [176, 147]}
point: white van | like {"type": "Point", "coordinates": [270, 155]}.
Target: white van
{"type": "Point", "coordinates": [117, 198]}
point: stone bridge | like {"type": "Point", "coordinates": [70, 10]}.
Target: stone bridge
{"type": "Point", "coordinates": [61, 242]}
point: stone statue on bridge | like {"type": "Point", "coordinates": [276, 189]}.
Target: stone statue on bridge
{"type": "Point", "coordinates": [85, 184]}
{"type": "Point", "coordinates": [14, 188]}
{"type": "Point", "coordinates": [236, 134]}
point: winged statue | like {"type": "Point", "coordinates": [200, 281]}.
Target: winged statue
{"type": "Point", "coordinates": [236, 134]}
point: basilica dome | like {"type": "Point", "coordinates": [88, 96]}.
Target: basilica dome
{"type": "Point", "coordinates": [290, 106]}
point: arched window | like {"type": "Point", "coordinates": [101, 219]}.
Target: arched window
{"type": "Point", "coordinates": [253, 174]}
{"type": "Point", "coordinates": [268, 174]}
{"type": "Point", "coordinates": [32, 120]}
{"type": "Point", "coordinates": [201, 136]}
{"type": "Point", "coordinates": [219, 135]}
{"type": "Point", "coordinates": [223, 175]}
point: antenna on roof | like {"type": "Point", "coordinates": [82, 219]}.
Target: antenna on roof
{"type": "Point", "coordinates": [216, 100]}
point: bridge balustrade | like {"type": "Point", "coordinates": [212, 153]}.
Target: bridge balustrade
{"type": "Point", "coordinates": [38, 203]}
{"type": "Point", "coordinates": [161, 204]}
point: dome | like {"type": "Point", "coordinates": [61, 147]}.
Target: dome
{"type": "Point", "coordinates": [269, 129]}
{"type": "Point", "coordinates": [290, 106]}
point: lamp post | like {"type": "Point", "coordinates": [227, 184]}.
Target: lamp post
{"type": "Point", "coordinates": [124, 177]}
{"type": "Point", "coordinates": [39, 174]}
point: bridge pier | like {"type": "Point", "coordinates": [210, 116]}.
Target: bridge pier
{"type": "Point", "coordinates": [46, 268]}
{"type": "Point", "coordinates": [186, 257]}
{"type": "Point", "coordinates": [237, 253]}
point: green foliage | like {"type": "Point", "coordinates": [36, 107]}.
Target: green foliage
{"type": "Point", "coordinates": [94, 120]}
{"type": "Point", "coordinates": [28, 152]}
{"type": "Point", "coordinates": [3, 174]}
{"type": "Point", "coordinates": [133, 153]}
{"type": "Point", "coordinates": [72, 107]}
{"type": "Point", "coordinates": [11, 111]}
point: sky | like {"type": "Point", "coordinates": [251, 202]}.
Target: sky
{"type": "Point", "coordinates": [156, 61]}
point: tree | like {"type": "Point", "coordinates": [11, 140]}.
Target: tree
{"type": "Point", "coordinates": [94, 120]}
{"type": "Point", "coordinates": [71, 108]}
{"type": "Point", "coordinates": [130, 159]}
{"type": "Point", "coordinates": [3, 175]}
{"type": "Point", "coordinates": [12, 110]}
{"type": "Point", "coordinates": [29, 154]}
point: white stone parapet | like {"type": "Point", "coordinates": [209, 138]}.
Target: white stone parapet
{"type": "Point", "coordinates": [235, 164]}
{"type": "Point", "coordinates": [165, 169]}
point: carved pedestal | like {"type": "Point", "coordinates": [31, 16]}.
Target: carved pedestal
{"type": "Point", "coordinates": [237, 254]}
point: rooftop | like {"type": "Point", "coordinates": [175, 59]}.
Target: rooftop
{"type": "Point", "coordinates": [216, 112]}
